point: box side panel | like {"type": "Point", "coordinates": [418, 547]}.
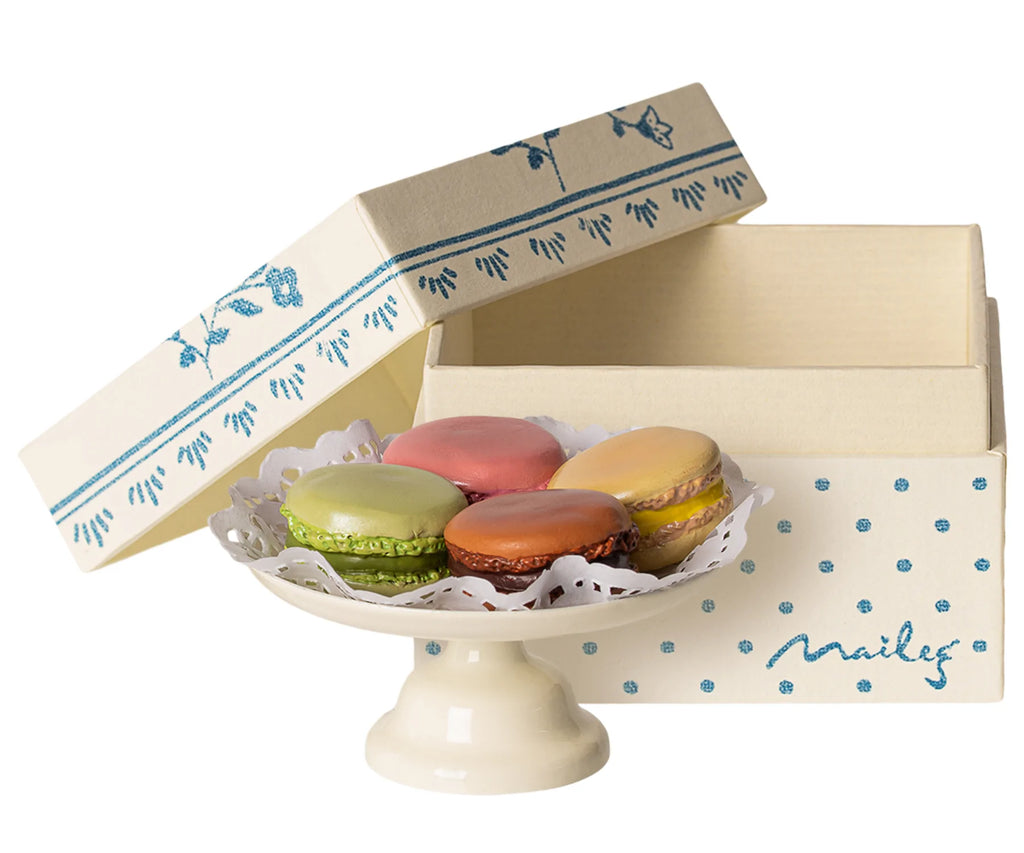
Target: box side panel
{"type": "Point", "coordinates": [977, 307]}
{"type": "Point", "coordinates": [871, 579]}
{"type": "Point", "coordinates": [752, 295]}
{"type": "Point", "coordinates": [532, 210]}
{"type": "Point", "coordinates": [205, 402]}
{"type": "Point", "coordinates": [997, 439]}
{"type": "Point", "coordinates": [998, 423]}
{"type": "Point", "coordinates": [748, 410]}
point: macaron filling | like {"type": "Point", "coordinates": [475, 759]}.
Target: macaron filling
{"type": "Point", "coordinates": [704, 519]}
{"type": "Point", "coordinates": [651, 520]}
{"type": "Point", "coordinates": [682, 492]}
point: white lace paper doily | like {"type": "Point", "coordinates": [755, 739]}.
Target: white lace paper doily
{"type": "Point", "coordinates": [253, 531]}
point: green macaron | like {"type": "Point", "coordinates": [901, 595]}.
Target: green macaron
{"type": "Point", "coordinates": [381, 527]}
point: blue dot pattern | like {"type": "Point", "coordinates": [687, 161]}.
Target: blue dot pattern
{"type": "Point", "coordinates": [432, 648]}
{"type": "Point", "coordinates": [852, 684]}
{"type": "Point", "coordinates": [590, 648]}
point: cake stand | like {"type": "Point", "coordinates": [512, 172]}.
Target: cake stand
{"type": "Point", "coordinates": [484, 716]}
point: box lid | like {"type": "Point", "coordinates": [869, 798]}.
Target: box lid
{"type": "Point", "coordinates": [263, 365]}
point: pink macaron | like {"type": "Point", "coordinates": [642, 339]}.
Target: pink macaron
{"type": "Point", "coordinates": [482, 455]}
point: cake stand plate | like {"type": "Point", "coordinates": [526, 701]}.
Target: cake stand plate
{"type": "Point", "coordinates": [484, 716]}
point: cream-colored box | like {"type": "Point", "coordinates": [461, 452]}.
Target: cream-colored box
{"type": "Point", "coordinates": [855, 370]}
{"type": "Point", "coordinates": [570, 274]}
{"type": "Point", "coordinates": [330, 330]}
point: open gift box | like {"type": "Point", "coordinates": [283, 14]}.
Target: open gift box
{"type": "Point", "coordinates": [853, 369]}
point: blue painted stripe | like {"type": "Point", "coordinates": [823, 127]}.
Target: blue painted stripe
{"type": "Point", "coordinates": [224, 385]}
{"type": "Point", "coordinates": [265, 369]}
{"type": "Point", "coordinates": [565, 215]}
{"type": "Point", "coordinates": [564, 201]}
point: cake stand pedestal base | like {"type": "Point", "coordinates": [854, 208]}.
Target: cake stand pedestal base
{"type": "Point", "coordinates": [485, 717]}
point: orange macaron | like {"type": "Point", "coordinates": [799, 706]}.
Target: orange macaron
{"type": "Point", "coordinates": [511, 539]}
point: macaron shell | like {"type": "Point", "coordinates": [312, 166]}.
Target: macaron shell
{"type": "Point", "coordinates": [364, 499]}
{"type": "Point", "coordinates": [640, 464]}
{"type": "Point", "coordinates": [538, 523]}
{"type": "Point", "coordinates": [481, 453]}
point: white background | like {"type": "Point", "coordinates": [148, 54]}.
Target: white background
{"type": "Point", "coordinates": [151, 157]}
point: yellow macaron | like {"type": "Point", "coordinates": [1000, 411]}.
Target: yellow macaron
{"type": "Point", "coordinates": [669, 479]}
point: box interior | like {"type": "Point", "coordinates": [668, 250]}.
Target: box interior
{"type": "Point", "coordinates": [774, 339]}
{"type": "Point", "coordinates": [741, 295]}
